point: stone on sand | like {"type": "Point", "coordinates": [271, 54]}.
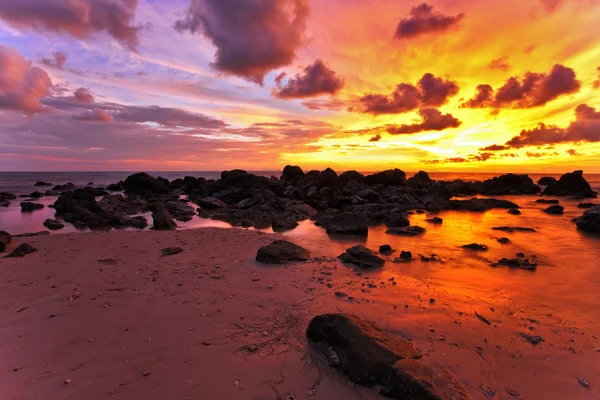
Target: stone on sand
{"type": "Point", "coordinates": [363, 257]}
{"type": "Point", "coordinates": [281, 252]}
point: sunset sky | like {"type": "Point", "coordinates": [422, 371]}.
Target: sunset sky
{"type": "Point", "coordinates": [447, 85]}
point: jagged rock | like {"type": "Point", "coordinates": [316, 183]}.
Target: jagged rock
{"type": "Point", "coordinates": [482, 204]}
{"type": "Point", "coordinates": [571, 184]}
{"type": "Point", "coordinates": [22, 250]}
{"type": "Point", "coordinates": [513, 229]}
{"type": "Point", "coordinates": [370, 195]}
{"type": "Point", "coordinates": [547, 181]}
{"type": "Point", "coordinates": [476, 247]}
{"type": "Point", "coordinates": [385, 249]}
{"type": "Point", "coordinates": [363, 351]}
{"type": "Point", "coordinates": [555, 209]}
{"type": "Point", "coordinates": [435, 220]}
{"type": "Point", "coordinates": [590, 220]}
{"type": "Point", "coordinates": [281, 252]}
{"type": "Point", "coordinates": [346, 223]}
{"type": "Point", "coordinates": [407, 231]}
{"type": "Point", "coordinates": [211, 203]}
{"type": "Point", "coordinates": [514, 211]}
{"type": "Point", "coordinates": [418, 380]}
{"type": "Point", "coordinates": [516, 263]}
{"type": "Point", "coordinates": [390, 177]}
{"type": "Point", "coordinates": [162, 220]}
{"type": "Point", "coordinates": [5, 239]}
{"type": "Point", "coordinates": [420, 180]}
{"type": "Point", "coordinates": [41, 183]}
{"type": "Point", "coordinates": [28, 206]}
{"type": "Point", "coordinates": [509, 184]}
{"type": "Point", "coordinates": [53, 224]}
{"type": "Point", "coordinates": [547, 201]}
{"type": "Point", "coordinates": [363, 257]}
{"type": "Point", "coordinates": [142, 184]}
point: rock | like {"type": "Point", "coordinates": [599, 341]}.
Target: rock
{"type": "Point", "coordinates": [385, 249]}
{"type": "Point", "coordinates": [547, 181]}
{"type": "Point", "coordinates": [393, 177]}
{"type": "Point", "coordinates": [405, 256]}
{"type": "Point", "coordinates": [590, 220]}
{"type": "Point", "coordinates": [27, 206]}
{"type": "Point", "coordinates": [5, 239]}
{"type": "Point", "coordinates": [532, 339]}
{"type": "Point", "coordinates": [4, 196]}
{"type": "Point", "coordinates": [397, 220]}
{"type": "Point", "coordinates": [432, 258]}
{"type": "Point", "coordinates": [417, 379]}
{"type": "Point", "coordinates": [33, 234]}
{"type": "Point", "coordinates": [116, 187]}
{"type": "Point", "coordinates": [41, 183]}
{"type": "Point", "coordinates": [475, 246]}
{"type": "Point", "coordinates": [284, 224]}
{"type": "Point", "coordinates": [585, 206]}
{"type": "Point", "coordinates": [162, 220]}
{"type": "Point", "coordinates": [420, 180]}
{"type": "Point", "coordinates": [363, 351]}
{"type": "Point", "coordinates": [503, 240]}
{"type": "Point", "coordinates": [292, 174]}
{"type": "Point", "coordinates": [516, 263]}
{"type": "Point", "coordinates": [64, 188]}
{"type": "Point", "coordinates": [211, 203]}
{"type": "Point", "coordinates": [571, 184]}
{"type": "Point", "coordinates": [281, 252]}
{"type": "Point", "coordinates": [170, 251]}
{"type": "Point", "coordinates": [555, 210]}
{"type": "Point", "coordinates": [509, 184]}
{"type": "Point", "coordinates": [514, 211]}
{"type": "Point", "coordinates": [481, 204]}
{"type": "Point", "coordinates": [340, 294]}
{"type": "Point", "coordinates": [369, 195]}
{"type": "Point", "coordinates": [36, 195]}
{"type": "Point", "coordinates": [346, 223]}
{"type": "Point", "coordinates": [363, 257]}
{"type": "Point", "coordinates": [512, 229]}
{"type": "Point", "coordinates": [352, 176]}
{"type": "Point", "coordinates": [547, 201]}
{"type": "Point", "coordinates": [53, 224]}
{"type": "Point", "coordinates": [22, 250]}
{"type": "Point", "coordinates": [435, 220]}
{"type": "Point", "coordinates": [143, 184]}
{"type": "Point", "coordinates": [407, 231]}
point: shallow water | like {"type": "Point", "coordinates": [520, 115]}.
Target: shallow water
{"type": "Point", "coordinates": [565, 283]}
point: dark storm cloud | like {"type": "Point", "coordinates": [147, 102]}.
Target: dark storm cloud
{"type": "Point", "coordinates": [81, 18]}
{"type": "Point", "coordinates": [431, 91]}
{"type": "Point", "coordinates": [533, 90]}
{"type": "Point", "coordinates": [317, 79]}
{"type": "Point", "coordinates": [432, 120]}
{"type": "Point", "coordinates": [423, 20]}
{"type": "Point", "coordinates": [252, 37]}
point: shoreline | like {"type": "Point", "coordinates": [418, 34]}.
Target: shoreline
{"type": "Point", "coordinates": [180, 316]}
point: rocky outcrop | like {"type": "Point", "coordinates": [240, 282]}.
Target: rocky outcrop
{"type": "Point", "coordinates": [53, 224]}
{"type": "Point", "coordinates": [22, 250]}
{"type": "Point", "coordinates": [420, 180]}
{"type": "Point", "coordinates": [547, 181]}
{"type": "Point", "coordinates": [519, 263]}
{"type": "Point", "coordinates": [392, 177]}
{"type": "Point", "coordinates": [482, 204]}
{"type": "Point", "coordinates": [509, 184]}
{"type": "Point", "coordinates": [363, 257]}
{"type": "Point", "coordinates": [5, 198]}
{"type": "Point", "coordinates": [292, 174]}
{"type": "Point", "coordinates": [143, 184]}
{"type": "Point", "coordinates": [28, 206]}
{"type": "Point", "coordinates": [590, 220]}
{"type": "Point", "coordinates": [162, 220]}
{"type": "Point", "coordinates": [281, 252]}
{"type": "Point", "coordinates": [571, 184]}
{"type": "Point", "coordinates": [369, 356]}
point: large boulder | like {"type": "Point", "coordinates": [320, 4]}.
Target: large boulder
{"type": "Point", "coordinates": [397, 220]}
{"type": "Point", "coordinates": [571, 184]}
{"type": "Point", "coordinates": [281, 252]}
{"type": "Point", "coordinates": [547, 181]}
{"type": "Point", "coordinates": [352, 176]}
{"type": "Point", "coordinates": [53, 224]}
{"type": "Point", "coordinates": [420, 180]}
{"type": "Point", "coordinates": [5, 239]}
{"type": "Point", "coordinates": [346, 223]}
{"type": "Point", "coordinates": [28, 206]}
{"type": "Point", "coordinates": [363, 257]}
{"type": "Point", "coordinates": [142, 184]}
{"type": "Point", "coordinates": [162, 220]}
{"type": "Point", "coordinates": [509, 184]}
{"type": "Point", "coordinates": [590, 220]}
{"type": "Point", "coordinates": [292, 174]}
{"type": "Point", "coordinates": [391, 177]}
{"type": "Point", "coordinates": [555, 209]}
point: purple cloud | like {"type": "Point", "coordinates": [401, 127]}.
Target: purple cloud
{"type": "Point", "coordinates": [58, 60]}
{"type": "Point", "coordinates": [432, 120]}
{"type": "Point", "coordinates": [252, 37]}
{"type": "Point", "coordinates": [422, 20]}
{"type": "Point", "coordinates": [317, 79]}
{"type": "Point", "coordinates": [83, 95]}
{"type": "Point", "coordinates": [80, 18]}
{"type": "Point", "coordinates": [95, 115]}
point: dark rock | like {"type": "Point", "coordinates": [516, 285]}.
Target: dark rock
{"type": "Point", "coordinates": [407, 231]}
{"type": "Point", "coordinates": [571, 184]}
{"type": "Point", "coordinates": [520, 255]}
{"type": "Point", "coordinates": [281, 252]}
{"type": "Point", "coordinates": [390, 177]}
{"type": "Point", "coordinates": [481, 204]}
{"type": "Point", "coordinates": [363, 351]}
{"type": "Point", "coordinates": [346, 223]}
{"type": "Point", "coordinates": [211, 203]}
{"type": "Point", "coordinates": [555, 209]}
{"type": "Point", "coordinates": [64, 188]}
{"type": "Point", "coordinates": [503, 240]}
{"type": "Point", "coordinates": [547, 181]}
{"type": "Point", "coordinates": [547, 201]}
{"type": "Point", "coordinates": [516, 263]}
{"type": "Point", "coordinates": [284, 224]}
{"type": "Point", "coordinates": [363, 257]}
{"type": "Point", "coordinates": [32, 234]}
{"type": "Point", "coordinates": [532, 339]}
{"type": "Point", "coordinates": [51, 193]}
{"type": "Point", "coordinates": [513, 229]}
{"type": "Point", "coordinates": [385, 249]}
{"type": "Point", "coordinates": [22, 250]}
{"type": "Point", "coordinates": [116, 187]}
{"type": "Point", "coordinates": [418, 380]}
{"type": "Point", "coordinates": [340, 294]}
{"type": "Point", "coordinates": [369, 195]}
{"type": "Point", "coordinates": [53, 224]}
{"type": "Point", "coordinates": [5, 239]}
{"type": "Point", "coordinates": [406, 256]}
{"type": "Point", "coordinates": [514, 211]}
{"type": "Point", "coordinates": [397, 221]}
{"type": "Point", "coordinates": [585, 206]}
{"type": "Point", "coordinates": [170, 251]}
{"type": "Point", "coordinates": [352, 176]}
{"type": "Point", "coordinates": [142, 184]}
{"type": "Point", "coordinates": [36, 195]}
{"type": "Point", "coordinates": [432, 258]}
{"type": "Point", "coordinates": [590, 220]}
{"type": "Point", "coordinates": [4, 196]}
{"type": "Point", "coordinates": [162, 220]}
{"type": "Point", "coordinates": [476, 247]}
{"type": "Point", "coordinates": [420, 180]}
{"type": "Point", "coordinates": [509, 184]}
{"type": "Point", "coordinates": [435, 220]}
{"type": "Point", "coordinates": [292, 174]}
{"type": "Point", "coordinates": [27, 206]}
{"type": "Point", "coordinates": [41, 183]}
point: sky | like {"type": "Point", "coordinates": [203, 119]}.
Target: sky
{"type": "Point", "coordinates": [209, 85]}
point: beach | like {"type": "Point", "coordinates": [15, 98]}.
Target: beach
{"type": "Point", "coordinates": [106, 313]}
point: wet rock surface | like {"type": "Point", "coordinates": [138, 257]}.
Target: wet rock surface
{"type": "Point", "coordinates": [21, 251]}
{"type": "Point", "coordinates": [281, 252]}
{"type": "Point", "coordinates": [53, 224]}
{"type": "Point", "coordinates": [28, 206]}
{"type": "Point", "coordinates": [162, 220]}
{"type": "Point", "coordinates": [590, 220]}
{"type": "Point", "coordinates": [407, 231]}
{"type": "Point", "coordinates": [555, 210]}
{"type": "Point", "coordinates": [363, 257]}
{"type": "Point", "coordinates": [571, 184]}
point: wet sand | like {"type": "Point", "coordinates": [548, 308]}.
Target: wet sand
{"type": "Point", "coordinates": [212, 323]}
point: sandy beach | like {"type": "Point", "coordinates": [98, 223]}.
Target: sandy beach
{"type": "Point", "coordinates": [103, 315]}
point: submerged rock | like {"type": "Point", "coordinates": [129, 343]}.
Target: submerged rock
{"type": "Point", "coordinates": [435, 220]}
{"type": "Point", "coordinates": [481, 204]}
{"type": "Point", "coordinates": [547, 201]}
{"type": "Point", "coordinates": [555, 209]}
{"type": "Point", "coordinates": [512, 229]}
{"type": "Point", "coordinates": [385, 249]}
{"type": "Point", "coordinates": [22, 250]}
{"type": "Point", "coordinates": [476, 247]}
{"type": "Point", "coordinates": [571, 184]}
{"type": "Point", "coordinates": [503, 240]}
{"type": "Point", "coordinates": [53, 224]}
{"type": "Point", "coordinates": [521, 263]}
{"type": "Point", "coordinates": [162, 220]}
{"type": "Point", "coordinates": [281, 252]}
{"type": "Point", "coordinates": [407, 231]}
{"type": "Point", "coordinates": [585, 206]}
{"type": "Point", "coordinates": [363, 257]}
{"type": "Point", "coordinates": [42, 183]}
{"type": "Point", "coordinates": [590, 220]}
{"type": "Point", "coordinates": [28, 206]}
